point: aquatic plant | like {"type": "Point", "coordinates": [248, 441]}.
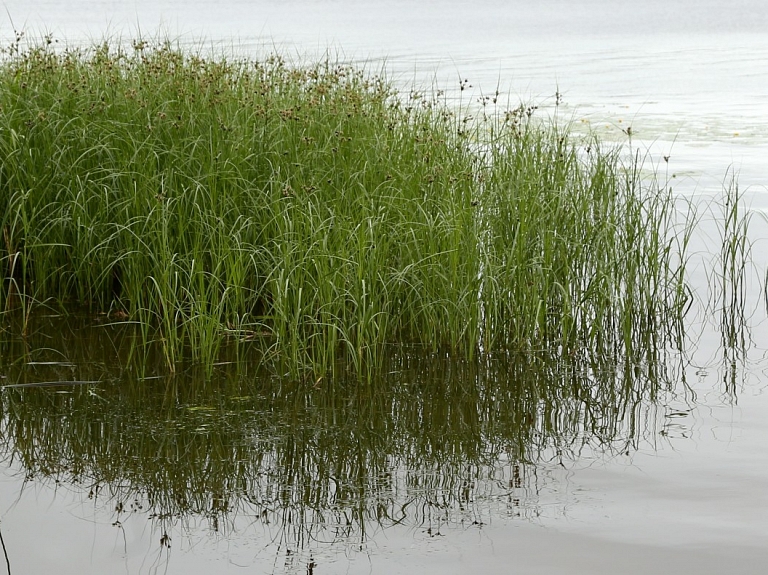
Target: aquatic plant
{"type": "Point", "coordinates": [732, 273]}
{"type": "Point", "coordinates": [317, 213]}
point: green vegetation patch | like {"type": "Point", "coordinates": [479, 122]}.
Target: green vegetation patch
{"type": "Point", "coordinates": [317, 212]}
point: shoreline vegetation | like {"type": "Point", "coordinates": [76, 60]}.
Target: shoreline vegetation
{"type": "Point", "coordinates": [317, 214]}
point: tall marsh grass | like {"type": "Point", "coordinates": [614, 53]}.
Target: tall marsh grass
{"type": "Point", "coordinates": [318, 212]}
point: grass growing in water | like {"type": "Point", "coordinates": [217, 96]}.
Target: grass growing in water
{"type": "Point", "coordinates": [315, 210]}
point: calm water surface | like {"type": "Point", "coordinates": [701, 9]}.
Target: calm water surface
{"type": "Point", "coordinates": [512, 466]}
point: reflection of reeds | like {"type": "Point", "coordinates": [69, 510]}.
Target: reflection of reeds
{"type": "Point", "coordinates": [315, 212]}
{"type": "Point", "coordinates": [435, 440]}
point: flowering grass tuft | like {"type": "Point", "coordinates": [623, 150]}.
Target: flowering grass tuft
{"type": "Point", "coordinates": [318, 213]}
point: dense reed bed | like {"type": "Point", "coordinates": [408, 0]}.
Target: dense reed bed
{"type": "Point", "coordinates": [318, 213]}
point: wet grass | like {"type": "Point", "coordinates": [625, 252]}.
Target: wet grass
{"type": "Point", "coordinates": [317, 214]}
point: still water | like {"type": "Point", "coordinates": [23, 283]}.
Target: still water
{"type": "Point", "coordinates": [522, 465]}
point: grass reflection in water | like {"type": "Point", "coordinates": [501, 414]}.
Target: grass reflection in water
{"type": "Point", "coordinates": [433, 441]}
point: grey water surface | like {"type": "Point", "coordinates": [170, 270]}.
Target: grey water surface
{"type": "Point", "coordinates": [515, 465]}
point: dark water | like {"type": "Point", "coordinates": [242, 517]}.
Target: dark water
{"type": "Point", "coordinates": [536, 464]}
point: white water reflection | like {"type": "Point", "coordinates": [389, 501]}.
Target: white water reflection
{"type": "Point", "coordinates": [689, 78]}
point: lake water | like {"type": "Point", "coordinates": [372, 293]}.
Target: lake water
{"type": "Point", "coordinates": [433, 472]}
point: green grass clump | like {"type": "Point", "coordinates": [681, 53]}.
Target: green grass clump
{"type": "Point", "coordinates": [317, 211]}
